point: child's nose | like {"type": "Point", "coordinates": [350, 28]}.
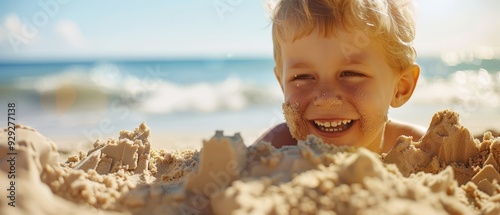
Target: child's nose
{"type": "Point", "coordinates": [328, 99]}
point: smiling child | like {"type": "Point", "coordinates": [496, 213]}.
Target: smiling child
{"type": "Point", "coordinates": [341, 64]}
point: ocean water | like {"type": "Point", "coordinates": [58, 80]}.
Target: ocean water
{"type": "Point", "coordinates": [86, 100]}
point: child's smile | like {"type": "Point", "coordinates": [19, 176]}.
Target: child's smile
{"type": "Point", "coordinates": [333, 126]}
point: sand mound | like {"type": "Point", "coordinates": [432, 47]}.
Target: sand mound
{"type": "Point", "coordinates": [446, 172]}
{"type": "Point", "coordinates": [449, 144]}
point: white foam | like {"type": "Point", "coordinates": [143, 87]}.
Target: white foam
{"type": "Point", "coordinates": [231, 94]}
{"type": "Point", "coordinates": [156, 94]}
{"type": "Point", "coordinates": [478, 88]}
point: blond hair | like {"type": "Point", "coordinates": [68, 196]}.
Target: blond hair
{"type": "Point", "coordinates": [390, 22]}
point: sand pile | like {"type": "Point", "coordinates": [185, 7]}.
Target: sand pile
{"type": "Point", "coordinates": [446, 172]}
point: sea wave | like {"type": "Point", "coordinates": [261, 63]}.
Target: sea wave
{"type": "Point", "coordinates": [148, 92]}
{"type": "Point", "coordinates": [464, 88]}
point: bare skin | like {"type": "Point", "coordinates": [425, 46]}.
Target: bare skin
{"type": "Point", "coordinates": [341, 94]}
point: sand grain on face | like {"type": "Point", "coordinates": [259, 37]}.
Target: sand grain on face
{"type": "Point", "coordinates": [295, 121]}
{"type": "Point", "coordinates": [446, 172]}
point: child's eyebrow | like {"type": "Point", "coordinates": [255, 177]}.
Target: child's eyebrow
{"type": "Point", "coordinates": [297, 65]}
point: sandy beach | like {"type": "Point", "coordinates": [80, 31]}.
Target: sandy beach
{"type": "Point", "coordinates": [447, 171]}
{"type": "Point", "coordinates": [131, 108]}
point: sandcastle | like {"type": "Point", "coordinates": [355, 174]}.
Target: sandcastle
{"type": "Point", "coordinates": [446, 172]}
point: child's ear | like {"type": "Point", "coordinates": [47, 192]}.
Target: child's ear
{"type": "Point", "coordinates": [405, 86]}
{"type": "Point", "coordinates": [278, 77]}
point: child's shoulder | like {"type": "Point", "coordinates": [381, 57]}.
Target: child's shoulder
{"type": "Point", "coordinates": [394, 129]}
{"type": "Point", "coordinates": [278, 136]}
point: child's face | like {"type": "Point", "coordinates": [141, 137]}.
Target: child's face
{"type": "Point", "coordinates": [337, 88]}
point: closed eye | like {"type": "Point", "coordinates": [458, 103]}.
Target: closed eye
{"type": "Point", "coordinates": [351, 74]}
{"type": "Point", "coordinates": [302, 77]}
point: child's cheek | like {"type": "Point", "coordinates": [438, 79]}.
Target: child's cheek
{"type": "Point", "coordinates": [365, 98]}
{"type": "Point", "coordinates": [369, 99]}
{"type": "Point", "coordinates": [294, 116]}
{"type": "Point", "coordinates": [371, 109]}
{"type": "Point", "coordinates": [298, 91]}
{"type": "Point", "coordinates": [359, 93]}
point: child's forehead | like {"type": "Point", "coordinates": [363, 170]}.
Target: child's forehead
{"type": "Point", "coordinates": [293, 33]}
{"type": "Point", "coordinates": [352, 43]}
{"type": "Point", "coordinates": [347, 48]}
{"type": "Point", "coordinates": [297, 62]}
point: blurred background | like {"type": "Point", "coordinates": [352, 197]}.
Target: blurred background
{"type": "Point", "coordinates": [82, 70]}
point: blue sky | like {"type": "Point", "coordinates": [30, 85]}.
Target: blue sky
{"type": "Point", "coordinates": [71, 29]}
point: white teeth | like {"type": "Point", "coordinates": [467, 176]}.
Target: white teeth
{"type": "Point", "coordinates": [331, 126]}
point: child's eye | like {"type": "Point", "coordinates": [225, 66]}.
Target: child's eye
{"type": "Point", "coordinates": [302, 77]}
{"type": "Point", "coordinates": [351, 74]}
